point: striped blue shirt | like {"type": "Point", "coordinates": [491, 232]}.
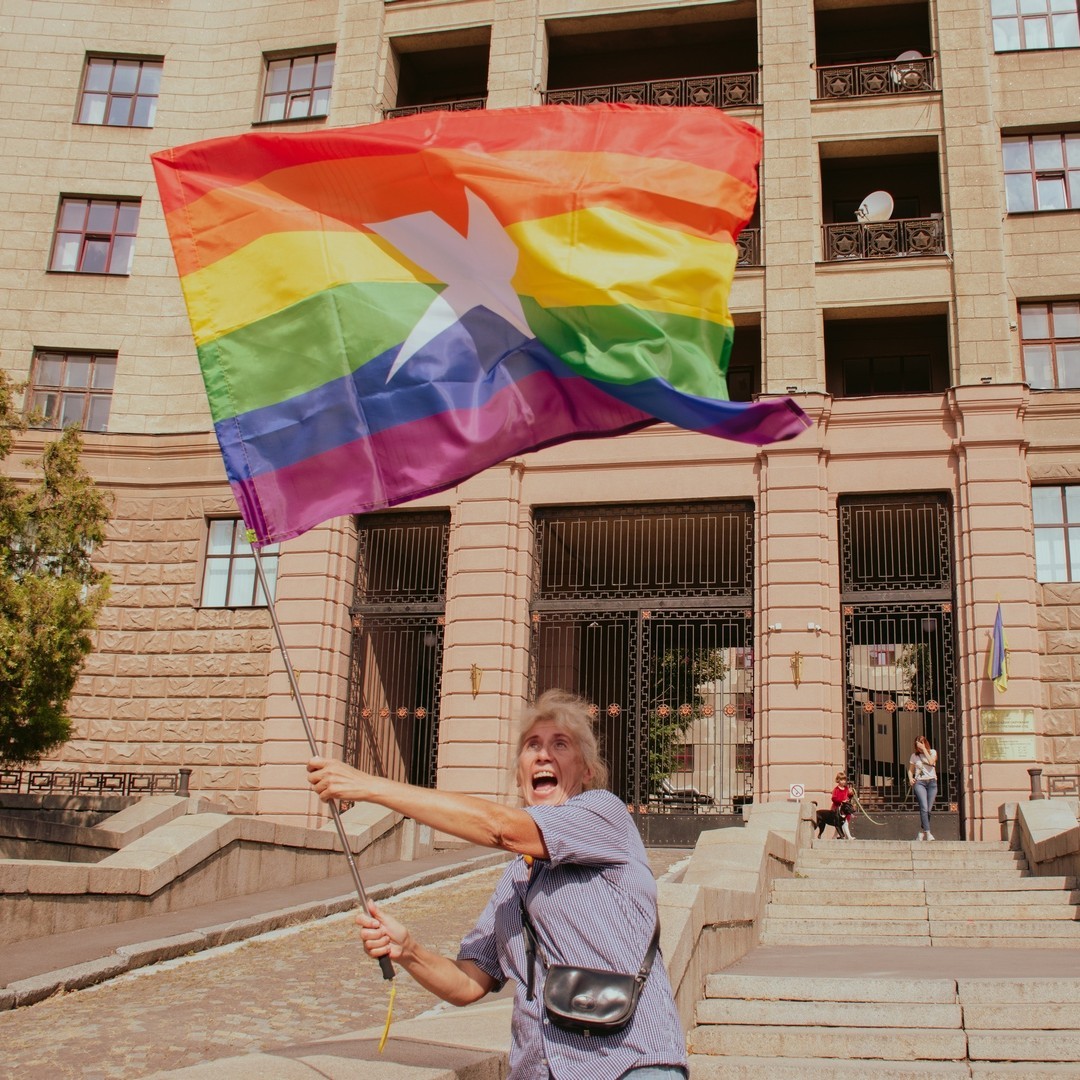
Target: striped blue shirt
{"type": "Point", "coordinates": [594, 905]}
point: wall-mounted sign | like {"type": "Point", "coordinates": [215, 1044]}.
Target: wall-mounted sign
{"type": "Point", "coordinates": [1007, 721]}
{"type": "Point", "coordinates": [1008, 747]}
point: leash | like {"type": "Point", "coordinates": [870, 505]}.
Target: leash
{"type": "Point", "coordinates": [862, 809]}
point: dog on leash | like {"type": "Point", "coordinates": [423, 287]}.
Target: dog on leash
{"type": "Point", "coordinates": [837, 819]}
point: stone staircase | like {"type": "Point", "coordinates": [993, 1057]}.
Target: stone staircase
{"type": "Point", "coordinates": [944, 893]}
{"type": "Point", "coordinates": [888, 960]}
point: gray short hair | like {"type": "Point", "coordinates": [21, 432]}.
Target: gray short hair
{"type": "Point", "coordinates": [573, 716]}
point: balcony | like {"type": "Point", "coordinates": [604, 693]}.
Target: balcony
{"type": "Point", "coordinates": [886, 356]}
{"type": "Point", "coordinates": [730, 91]}
{"type": "Point", "coordinates": [436, 72]}
{"type": "Point", "coordinates": [461, 105]}
{"type": "Point", "coordinates": [886, 78]}
{"type": "Point", "coordinates": [883, 239]}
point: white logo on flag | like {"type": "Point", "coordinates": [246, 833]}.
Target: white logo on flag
{"type": "Point", "coordinates": [477, 269]}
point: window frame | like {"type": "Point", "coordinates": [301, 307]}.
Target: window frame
{"type": "Point", "coordinates": [1068, 531]}
{"type": "Point", "coordinates": [1052, 342]}
{"type": "Point", "coordinates": [110, 96]}
{"type": "Point", "coordinates": [1068, 174]}
{"type": "Point", "coordinates": [237, 558]}
{"type": "Point", "coordinates": [293, 93]}
{"type": "Point", "coordinates": [1026, 20]}
{"type": "Point", "coordinates": [93, 240]}
{"type": "Point", "coordinates": [98, 360]}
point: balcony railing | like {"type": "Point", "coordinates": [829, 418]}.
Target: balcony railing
{"type": "Point", "coordinates": [885, 78]}
{"type": "Point", "coordinates": [461, 105]}
{"type": "Point", "coordinates": [72, 782]}
{"type": "Point", "coordinates": [884, 239]}
{"type": "Point", "coordinates": [749, 248]}
{"type": "Point", "coordinates": [720, 91]}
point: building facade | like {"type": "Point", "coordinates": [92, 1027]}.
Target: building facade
{"type": "Point", "coordinates": [746, 621]}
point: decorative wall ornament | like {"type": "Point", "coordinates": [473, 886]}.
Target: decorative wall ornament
{"type": "Point", "coordinates": [796, 668]}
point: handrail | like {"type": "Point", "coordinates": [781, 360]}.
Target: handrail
{"type": "Point", "coordinates": [879, 79]}
{"type": "Point", "coordinates": [727, 91]}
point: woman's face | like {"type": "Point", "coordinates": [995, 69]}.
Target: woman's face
{"type": "Point", "coordinates": [550, 766]}
{"type": "Point", "coordinates": [920, 744]}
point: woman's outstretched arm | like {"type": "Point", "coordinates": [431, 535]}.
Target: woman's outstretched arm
{"type": "Point", "coordinates": [479, 821]}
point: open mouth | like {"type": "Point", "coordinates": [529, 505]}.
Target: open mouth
{"type": "Point", "coordinates": [544, 782]}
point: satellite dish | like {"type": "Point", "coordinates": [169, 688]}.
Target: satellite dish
{"type": "Point", "coordinates": [877, 206]}
{"type": "Point", "coordinates": [911, 76]}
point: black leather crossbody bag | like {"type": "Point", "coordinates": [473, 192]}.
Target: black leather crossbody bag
{"type": "Point", "coordinates": [587, 1001]}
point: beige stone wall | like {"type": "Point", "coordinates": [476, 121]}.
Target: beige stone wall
{"type": "Point", "coordinates": [1059, 634]}
{"type": "Point", "coordinates": [172, 684]}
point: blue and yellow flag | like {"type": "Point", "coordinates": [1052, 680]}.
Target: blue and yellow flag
{"type": "Point", "coordinates": [999, 655]}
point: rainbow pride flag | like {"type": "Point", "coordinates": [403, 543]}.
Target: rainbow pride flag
{"type": "Point", "coordinates": [382, 312]}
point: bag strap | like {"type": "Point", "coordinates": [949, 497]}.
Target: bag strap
{"type": "Point", "coordinates": [532, 947]}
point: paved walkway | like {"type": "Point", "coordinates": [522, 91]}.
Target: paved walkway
{"type": "Point", "coordinates": [292, 986]}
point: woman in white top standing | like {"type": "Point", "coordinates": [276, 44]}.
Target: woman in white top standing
{"type": "Point", "coordinates": [922, 775]}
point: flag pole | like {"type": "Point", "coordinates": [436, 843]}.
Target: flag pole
{"type": "Point", "coordinates": [335, 811]}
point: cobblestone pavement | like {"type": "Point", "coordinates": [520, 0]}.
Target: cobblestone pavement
{"type": "Point", "coordinates": [269, 992]}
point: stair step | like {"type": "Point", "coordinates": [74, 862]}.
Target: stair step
{"type": "Point", "coordinates": [1021, 1070]}
{"type": "Point", "coordinates": [1024, 1046]}
{"type": "Point", "coordinates": [1065, 930]}
{"type": "Point", "coordinates": [826, 1014]}
{"type": "Point", "coordinates": [1025, 891]}
{"type": "Point", "coordinates": [721, 985]}
{"type": "Point", "coordinates": [754, 1068]}
{"type": "Point", "coordinates": [782, 937]}
{"type": "Point", "coordinates": [839, 1042]}
{"type": "Point", "coordinates": [913, 924]}
{"type": "Point", "coordinates": [1002, 908]}
{"type": "Point", "coordinates": [1024, 1018]}
{"type": "Point", "coordinates": [1019, 991]}
{"type": "Point", "coordinates": [841, 915]}
{"type": "Point", "coordinates": [999, 943]}
{"type": "Point", "coordinates": [810, 893]}
{"type": "Point", "coordinates": [964, 882]}
{"type": "Point", "coordinates": [973, 877]}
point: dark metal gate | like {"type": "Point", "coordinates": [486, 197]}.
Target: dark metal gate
{"type": "Point", "coordinates": [395, 677]}
{"type": "Point", "coordinates": [645, 611]}
{"type": "Point", "coordinates": [899, 655]}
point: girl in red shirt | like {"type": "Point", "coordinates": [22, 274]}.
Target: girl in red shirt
{"type": "Point", "coordinates": [843, 793]}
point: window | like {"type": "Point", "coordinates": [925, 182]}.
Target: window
{"type": "Point", "coordinates": [72, 389]}
{"type": "Point", "coordinates": [1056, 512]}
{"type": "Point", "coordinates": [1042, 172]}
{"type": "Point", "coordinates": [1050, 345]}
{"type": "Point", "coordinates": [229, 578]}
{"type": "Point", "coordinates": [297, 87]}
{"type": "Point", "coordinates": [95, 236]}
{"type": "Point", "coordinates": [1034, 24]}
{"type": "Point", "coordinates": [120, 92]}
{"type": "Point", "coordinates": [683, 760]}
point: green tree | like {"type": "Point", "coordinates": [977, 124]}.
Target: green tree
{"type": "Point", "coordinates": [675, 702]}
{"type": "Point", "coordinates": [50, 593]}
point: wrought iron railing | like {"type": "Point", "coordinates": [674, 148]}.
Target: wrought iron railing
{"type": "Point", "coordinates": [881, 79]}
{"type": "Point", "coordinates": [721, 91]}
{"type": "Point", "coordinates": [71, 782]}
{"type": "Point", "coordinates": [748, 246]}
{"type": "Point", "coordinates": [462, 105]}
{"type": "Point", "coordinates": [884, 239]}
